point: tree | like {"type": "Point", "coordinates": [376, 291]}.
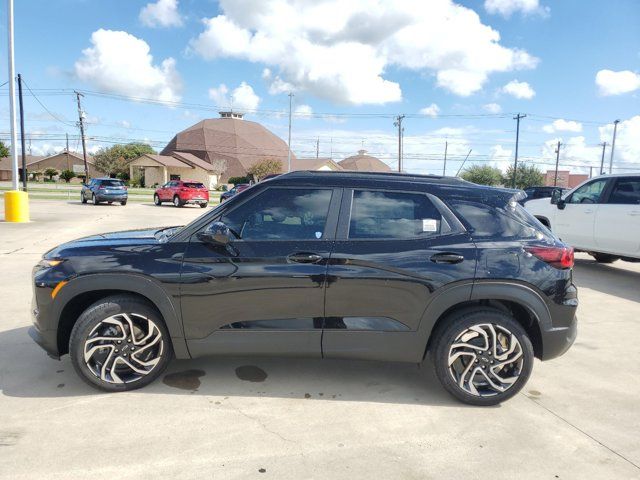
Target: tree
{"type": "Point", "coordinates": [50, 172]}
{"type": "Point", "coordinates": [265, 167]}
{"type": "Point", "coordinates": [527, 176]}
{"type": "Point", "coordinates": [4, 150]}
{"type": "Point", "coordinates": [67, 175]}
{"type": "Point", "coordinates": [115, 160]}
{"type": "Point", "coordinates": [482, 175]}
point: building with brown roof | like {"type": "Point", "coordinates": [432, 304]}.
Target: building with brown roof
{"type": "Point", "coordinates": [364, 163]}
{"type": "Point", "coordinates": [159, 169]}
{"type": "Point", "coordinates": [230, 144]}
{"type": "Point", "coordinates": [59, 161]}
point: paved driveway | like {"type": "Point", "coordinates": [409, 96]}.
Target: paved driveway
{"type": "Point", "coordinates": [579, 416]}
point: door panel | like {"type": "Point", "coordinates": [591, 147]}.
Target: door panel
{"type": "Point", "coordinates": [575, 223]}
{"type": "Point", "coordinates": [617, 224]}
{"type": "Point", "coordinates": [378, 288]}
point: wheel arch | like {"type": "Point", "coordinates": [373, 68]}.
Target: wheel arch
{"type": "Point", "coordinates": [543, 220]}
{"type": "Point", "coordinates": [85, 290]}
{"type": "Point", "coordinates": [523, 303]}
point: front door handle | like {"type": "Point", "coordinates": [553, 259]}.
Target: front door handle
{"type": "Point", "coordinates": [304, 257]}
{"type": "Point", "coordinates": [446, 258]}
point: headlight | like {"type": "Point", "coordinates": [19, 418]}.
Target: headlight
{"type": "Point", "coordinates": [48, 263]}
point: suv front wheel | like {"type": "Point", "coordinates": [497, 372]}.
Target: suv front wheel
{"type": "Point", "coordinates": [482, 357]}
{"type": "Point", "coordinates": [120, 343]}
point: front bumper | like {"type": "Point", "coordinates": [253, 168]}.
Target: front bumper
{"type": "Point", "coordinates": [47, 340]}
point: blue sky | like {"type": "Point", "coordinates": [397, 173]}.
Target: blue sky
{"type": "Point", "coordinates": [474, 63]}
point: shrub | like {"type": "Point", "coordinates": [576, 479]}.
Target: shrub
{"type": "Point", "coordinates": [237, 180]}
{"type": "Point", "coordinates": [67, 175]}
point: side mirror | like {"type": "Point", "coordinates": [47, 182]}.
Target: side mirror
{"type": "Point", "coordinates": [217, 233]}
{"type": "Point", "coordinates": [555, 196]}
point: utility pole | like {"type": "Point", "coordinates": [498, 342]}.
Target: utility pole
{"type": "Point", "coordinates": [555, 176]}
{"type": "Point", "coordinates": [84, 145]}
{"type": "Point", "coordinates": [604, 147]}
{"type": "Point", "coordinates": [289, 143]}
{"type": "Point", "coordinates": [518, 117]}
{"type": "Point", "coordinates": [318, 148]}
{"type": "Point", "coordinates": [398, 123]}
{"type": "Point", "coordinates": [590, 172]}
{"type": "Point", "coordinates": [22, 140]}
{"type": "Point", "coordinates": [613, 145]}
{"type": "Point", "coordinates": [66, 135]}
{"type": "Point", "coordinates": [444, 167]}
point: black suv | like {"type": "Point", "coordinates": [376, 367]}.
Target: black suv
{"type": "Point", "coordinates": [387, 267]}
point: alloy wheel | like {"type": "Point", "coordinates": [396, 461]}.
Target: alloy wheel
{"type": "Point", "coordinates": [485, 360]}
{"type": "Point", "coordinates": [123, 348]}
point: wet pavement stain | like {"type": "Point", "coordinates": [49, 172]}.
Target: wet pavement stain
{"type": "Point", "coordinates": [534, 393]}
{"type": "Point", "coordinates": [251, 373]}
{"type": "Point", "coordinates": [60, 385]}
{"type": "Point", "coordinates": [59, 371]}
{"type": "Point", "coordinates": [262, 470]}
{"type": "Point", "coordinates": [186, 380]}
{"type": "Point", "coordinates": [307, 395]}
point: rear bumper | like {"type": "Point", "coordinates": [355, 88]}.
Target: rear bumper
{"type": "Point", "coordinates": [103, 197]}
{"type": "Point", "coordinates": [556, 341]}
{"type": "Point", "coordinates": [195, 200]}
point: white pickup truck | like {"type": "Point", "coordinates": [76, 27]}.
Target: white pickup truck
{"type": "Point", "coordinates": [601, 216]}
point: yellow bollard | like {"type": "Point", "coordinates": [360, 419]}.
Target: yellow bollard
{"type": "Point", "coordinates": [16, 206]}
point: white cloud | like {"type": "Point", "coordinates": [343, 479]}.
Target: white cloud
{"type": "Point", "coordinates": [303, 111]}
{"type": "Point", "coordinates": [617, 83]}
{"type": "Point", "coordinates": [242, 98]}
{"type": "Point", "coordinates": [118, 62]}
{"type": "Point", "coordinates": [492, 108]}
{"type": "Point", "coordinates": [500, 157]}
{"type": "Point", "coordinates": [341, 50]}
{"type": "Point", "coordinates": [627, 140]}
{"type": "Point", "coordinates": [163, 13]}
{"type": "Point", "coordinates": [506, 8]}
{"type": "Point", "coordinates": [561, 125]}
{"type": "Point", "coordinates": [432, 110]}
{"type": "Point", "coordinates": [519, 90]}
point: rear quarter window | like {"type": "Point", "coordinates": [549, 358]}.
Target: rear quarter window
{"type": "Point", "coordinates": [504, 221]}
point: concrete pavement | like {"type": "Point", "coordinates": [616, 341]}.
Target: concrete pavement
{"type": "Point", "coordinates": [578, 417]}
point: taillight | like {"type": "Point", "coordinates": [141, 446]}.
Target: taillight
{"type": "Point", "coordinates": [559, 257]}
{"type": "Point", "coordinates": [101, 187]}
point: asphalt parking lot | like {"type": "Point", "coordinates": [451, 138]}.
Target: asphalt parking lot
{"type": "Point", "coordinates": [578, 417]}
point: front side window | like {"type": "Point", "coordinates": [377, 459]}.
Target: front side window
{"type": "Point", "coordinates": [394, 215]}
{"type": "Point", "coordinates": [589, 193]}
{"type": "Point", "coordinates": [282, 214]}
{"type": "Point", "coordinates": [626, 192]}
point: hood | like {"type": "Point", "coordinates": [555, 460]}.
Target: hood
{"type": "Point", "coordinates": [146, 236]}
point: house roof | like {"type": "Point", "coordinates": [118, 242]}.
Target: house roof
{"type": "Point", "coordinates": [167, 160]}
{"type": "Point", "coordinates": [248, 142]}
{"type": "Point", "coordinates": [190, 158]}
{"type": "Point", "coordinates": [364, 163]}
{"type": "Point", "coordinates": [313, 164]}
{"type": "Point", "coordinates": [5, 162]}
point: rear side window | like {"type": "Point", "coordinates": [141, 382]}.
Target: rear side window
{"type": "Point", "coordinates": [508, 221]}
{"type": "Point", "coordinates": [626, 192]}
{"type": "Point", "coordinates": [395, 215]}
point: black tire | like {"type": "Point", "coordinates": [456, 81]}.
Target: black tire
{"type": "Point", "coordinates": [604, 257]}
{"type": "Point", "coordinates": [94, 199]}
{"type": "Point", "coordinates": [94, 316]}
{"type": "Point", "coordinates": [123, 203]}
{"type": "Point", "coordinates": [203, 205]}
{"type": "Point", "coordinates": [109, 203]}
{"type": "Point", "coordinates": [177, 202]}
{"type": "Point", "coordinates": [82, 198]}
{"type": "Point", "coordinates": [156, 199]}
{"type": "Point", "coordinates": [454, 326]}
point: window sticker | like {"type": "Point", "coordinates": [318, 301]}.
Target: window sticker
{"type": "Point", "coordinates": [429, 225]}
{"type": "Point", "coordinates": [318, 234]}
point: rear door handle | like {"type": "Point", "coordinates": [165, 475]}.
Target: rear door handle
{"type": "Point", "coordinates": [304, 257]}
{"type": "Point", "coordinates": [588, 211]}
{"type": "Point", "coordinates": [634, 213]}
{"type": "Point", "coordinates": [446, 258]}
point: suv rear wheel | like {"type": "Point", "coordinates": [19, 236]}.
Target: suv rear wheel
{"type": "Point", "coordinates": [177, 202]}
{"type": "Point", "coordinates": [120, 343]}
{"type": "Point", "coordinates": [482, 357]}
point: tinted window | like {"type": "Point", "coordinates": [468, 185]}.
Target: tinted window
{"type": "Point", "coordinates": [626, 192]}
{"type": "Point", "coordinates": [111, 183]}
{"type": "Point", "coordinates": [282, 214]}
{"type": "Point", "coordinates": [589, 193]}
{"type": "Point", "coordinates": [193, 185]}
{"type": "Point", "coordinates": [508, 221]}
{"type": "Point", "coordinates": [394, 215]}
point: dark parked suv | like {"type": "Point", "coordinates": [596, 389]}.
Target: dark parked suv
{"type": "Point", "coordinates": [389, 267]}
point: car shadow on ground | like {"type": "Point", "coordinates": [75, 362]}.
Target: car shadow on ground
{"type": "Point", "coordinates": [607, 278]}
{"type": "Point", "coordinates": [28, 373]}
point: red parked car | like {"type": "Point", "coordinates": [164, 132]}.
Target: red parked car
{"type": "Point", "coordinates": [181, 192]}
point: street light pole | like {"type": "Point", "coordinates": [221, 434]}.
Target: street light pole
{"type": "Point", "coordinates": [613, 145]}
{"type": "Point", "coordinates": [12, 99]}
{"type": "Point", "coordinates": [515, 162]}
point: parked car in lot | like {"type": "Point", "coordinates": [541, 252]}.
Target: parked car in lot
{"type": "Point", "coordinates": [601, 217]}
{"type": "Point", "coordinates": [392, 267]}
{"type": "Point", "coordinates": [241, 187]}
{"type": "Point", "coordinates": [533, 193]}
{"type": "Point", "coordinates": [181, 193]}
{"type": "Point", "coordinates": [100, 190]}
